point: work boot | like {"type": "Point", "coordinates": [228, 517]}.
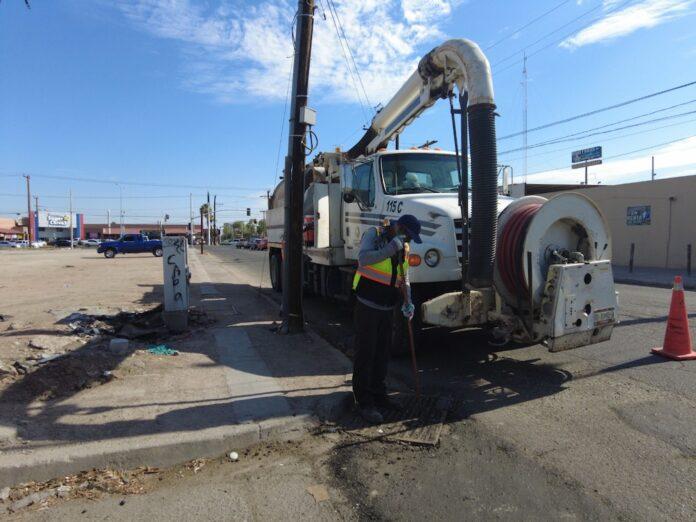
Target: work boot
{"type": "Point", "coordinates": [370, 414]}
{"type": "Point", "coordinates": [384, 402]}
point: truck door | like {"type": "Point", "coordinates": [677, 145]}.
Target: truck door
{"type": "Point", "coordinates": [129, 243]}
{"type": "Point", "coordinates": [362, 212]}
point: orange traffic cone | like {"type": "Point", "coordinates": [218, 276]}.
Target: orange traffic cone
{"type": "Point", "coordinates": [677, 337]}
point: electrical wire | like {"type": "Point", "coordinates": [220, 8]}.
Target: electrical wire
{"type": "Point", "coordinates": [566, 36]}
{"type": "Point", "coordinates": [571, 22]}
{"type": "Point", "coordinates": [599, 133]}
{"type": "Point", "coordinates": [598, 111]}
{"type": "Point", "coordinates": [557, 6]}
{"type": "Point", "coordinates": [345, 57]}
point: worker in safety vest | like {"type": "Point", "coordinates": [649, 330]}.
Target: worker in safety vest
{"type": "Point", "coordinates": [382, 269]}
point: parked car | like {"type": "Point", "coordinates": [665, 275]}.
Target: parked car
{"type": "Point", "coordinates": [262, 244]}
{"type": "Point", "coordinates": [38, 244]}
{"type": "Point", "coordinates": [7, 244]}
{"type": "Point", "coordinates": [63, 243]}
{"type": "Point", "coordinates": [130, 244]}
{"type": "Point", "coordinates": [90, 242]}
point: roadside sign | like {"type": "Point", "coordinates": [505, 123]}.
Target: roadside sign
{"type": "Point", "coordinates": [586, 154]}
{"type": "Point", "coordinates": [586, 164]}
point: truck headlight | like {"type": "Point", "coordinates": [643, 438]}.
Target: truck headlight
{"type": "Point", "coordinates": [432, 257]}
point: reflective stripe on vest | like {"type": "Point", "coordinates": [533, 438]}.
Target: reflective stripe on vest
{"type": "Point", "coordinates": [379, 272]}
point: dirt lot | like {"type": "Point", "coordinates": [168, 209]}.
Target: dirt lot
{"type": "Point", "coordinates": [60, 310]}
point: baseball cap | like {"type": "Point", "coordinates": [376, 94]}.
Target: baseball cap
{"type": "Point", "coordinates": [411, 224]}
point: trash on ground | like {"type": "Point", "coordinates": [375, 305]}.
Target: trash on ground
{"type": "Point", "coordinates": [162, 349]}
{"type": "Point", "coordinates": [234, 456]}
{"type": "Point", "coordinates": [319, 492]}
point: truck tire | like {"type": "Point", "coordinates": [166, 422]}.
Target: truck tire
{"type": "Point", "coordinates": [276, 272]}
{"type": "Point", "coordinates": [157, 252]}
{"type": "Point", "coordinates": [110, 253]}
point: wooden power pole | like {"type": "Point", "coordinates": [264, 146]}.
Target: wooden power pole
{"type": "Point", "coordinates": [293, 320]}
{"type": "Point", "coordinates": [30, 220]}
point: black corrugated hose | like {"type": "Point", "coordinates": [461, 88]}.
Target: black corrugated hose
{"type": "Point", "coordinates": [484, 188]}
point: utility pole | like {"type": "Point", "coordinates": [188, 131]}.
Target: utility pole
{"type": "Point", "coordinates": [524, 116]}
{"type": "Point", "coordinates": [108, 222]}
{"type": "Point", "coordinates": [653, 168]}
{"type": "Point", "coordinates": [208, 217]}
{"type": "Point", "coordinates": [120, 199]}
{"type": "Point", "coordinates": [36, 207]}
{"type": "Point", "coordinates": [201, 232]}
{"type": "Point", "coordinates": [30, 220]}
{"type": "Point", "coordinates": [215, 234]}
{"type": "Point", "coordinates": [71, 220]}
{"type": "Point", "coordinates": [293, 320]}
{"type": "Point", "coordinates": [190, 219]}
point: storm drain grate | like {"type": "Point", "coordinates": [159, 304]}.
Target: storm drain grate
{"type": "Point", "coordinates": [419, 421]}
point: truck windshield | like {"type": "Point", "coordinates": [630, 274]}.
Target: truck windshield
{"type": "Point", "coordinates": [418, 172]}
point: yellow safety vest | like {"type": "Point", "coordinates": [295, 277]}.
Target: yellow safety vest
{"type": "Point", "coordinates": [381, 272]}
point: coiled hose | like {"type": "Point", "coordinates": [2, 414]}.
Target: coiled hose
{"type": "Point", "coordinates": [510, 256]}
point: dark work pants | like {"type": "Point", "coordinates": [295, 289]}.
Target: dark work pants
{"type": "Point", "coordinates": [373, 331]}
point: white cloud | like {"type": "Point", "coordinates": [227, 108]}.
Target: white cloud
{"type": "Point", "coordinates": [238, 54]}
{"type": "Point", "coordinates": [644, 15]}
{"type": "Point", "coordinates": [675, 159]}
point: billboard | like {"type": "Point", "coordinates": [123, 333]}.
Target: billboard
{"type": "Point", "coordinates": [586, 154]}
{"type": "Point", "coordinates": [56, 219]}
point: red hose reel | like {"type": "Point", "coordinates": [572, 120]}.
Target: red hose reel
{"type": "Point", "coordinates": [510, 253]}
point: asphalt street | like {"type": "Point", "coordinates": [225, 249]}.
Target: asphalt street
{"type": "Point", "coordinates": [603, 432]}
{"type": "Point", "coordinates": [611, 421]}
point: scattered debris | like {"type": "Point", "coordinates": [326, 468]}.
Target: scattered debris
{"type": "Point", "coordinates": [48, 358]}
{"type": "Point", "coordinates": [15, 326]}
{"type": "Point", "coordinates": [319, 492]}
{"type": "Point", "coordinates": [4, 494]}
{"type": "Point", "coordinates": [234, 456]}
{"type": "Point", "coordinates": [21, 369]}
{"type": "Point", "coordinates": [197, 464]}
{"type": "Point", "coordinates": [118, 345]}
{"type": "Point", "coordinates": [162, 349]}
{"type": "Point", "coordinates": [6, 370]}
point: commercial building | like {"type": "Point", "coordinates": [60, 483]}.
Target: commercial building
{"type": "Point", "coordinates": [50, 226]}
{"type": "Point", "coordinates": [113, 230]}
{"type": "Point", "coordinates": [11, 228]}
{"type": "Point", "coordinates": [652, 221]}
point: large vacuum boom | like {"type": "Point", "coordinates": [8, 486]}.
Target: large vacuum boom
{"type": "Point", "coordinates": [457, 62]}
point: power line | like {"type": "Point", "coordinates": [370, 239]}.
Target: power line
{"type": "Point", "coordinates": [575, 137]}
{"type": "Point", "coordinates": [520, 51]}
{"type": "Point", "coordinates": [350, 52]}
{"type": "Point", "coordinates": [557, 6]}
{"type": "Point", "coordinates": [597, 111]}
{"type": "Point", "coordinates": [345, 57]}
{"type": "Point", "coordinates": [568, 35]}
{"type": "Point", "coordinates": [605, 140]}
{"type": "Point", "coordinates": [642, 149]}
{"type": "Point", "coordinates": [136, 183]}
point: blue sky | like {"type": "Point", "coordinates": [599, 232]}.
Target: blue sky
{"type": "Point", "coordinates": [172, 97]}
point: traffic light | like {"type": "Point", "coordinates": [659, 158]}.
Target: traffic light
{"type": "Point", "coordinates": [248, 212]}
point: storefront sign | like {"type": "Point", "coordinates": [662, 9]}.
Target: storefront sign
{"type": "Point", "coordinates": [55, 220]}
{"type": "Point", "coordinates": [638, 215]}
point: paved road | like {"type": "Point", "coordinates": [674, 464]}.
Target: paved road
{"type": "Point", "coordinates": [611, 420]}
{"type": "Point", "coordinates": [601, 432]}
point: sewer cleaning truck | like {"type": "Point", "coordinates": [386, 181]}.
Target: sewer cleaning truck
{"type": "Point", "coordinates": [528, 269]}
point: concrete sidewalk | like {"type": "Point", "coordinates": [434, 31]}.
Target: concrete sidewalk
{"type": "Point", "coordinates": [234, 384]}
{"type": "Point", "coordinates": [660, 277]}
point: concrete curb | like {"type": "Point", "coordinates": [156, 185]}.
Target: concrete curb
{"type": "Point", "coordinates": [652, 284]}
{"type": "Point", "coordinates": [158, 450]}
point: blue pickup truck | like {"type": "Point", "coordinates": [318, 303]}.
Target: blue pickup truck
{"type": "Point", "coordinates": [130, 244]}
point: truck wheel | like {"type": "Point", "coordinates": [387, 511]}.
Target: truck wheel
{"type": "Point", "coordinates": [157, 252]}
{"type": "Point", "coordinates": [109, 253]}
{"type": "Point", "coordinates": [276, 272]}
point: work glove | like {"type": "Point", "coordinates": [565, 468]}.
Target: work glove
{"type": "Point", "coordinates": [408, 310]}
